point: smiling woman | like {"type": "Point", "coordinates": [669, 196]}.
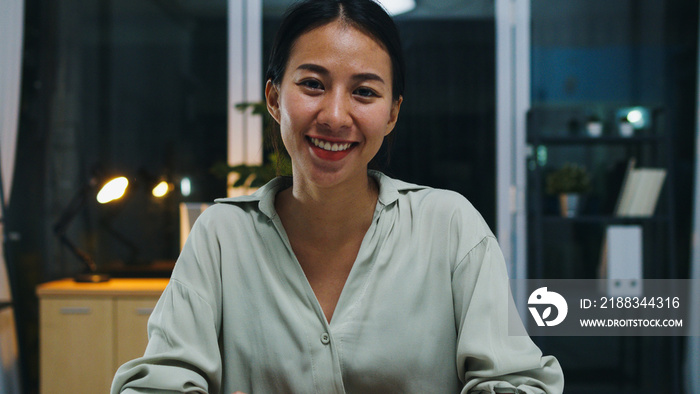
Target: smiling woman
{"type": "Point", "coordinates": [336, 90]}
{"type": "Point", "coordinates": [338, 279]}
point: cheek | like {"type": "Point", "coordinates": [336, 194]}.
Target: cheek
{"type": "Point", "coordinates": [296, 116]}
{"type": "Point", "coordinates": [294, 111]}
{"type": "Point", "coordinates": [375, 121]}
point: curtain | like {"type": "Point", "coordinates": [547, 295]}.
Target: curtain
{"type": "Point", "coordinates": [11, 25]}
{"type": "Point", "coordinates": [11, 31]}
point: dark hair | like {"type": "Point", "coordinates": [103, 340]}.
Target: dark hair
{"type": "Point", "coordinates": [366, 15]}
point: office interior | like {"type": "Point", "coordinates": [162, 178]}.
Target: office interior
{"type": "Point", "coordinates": [149, 89]}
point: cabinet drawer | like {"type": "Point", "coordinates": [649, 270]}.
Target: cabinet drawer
{"type": "Point", "coordinates": [76, 337]}
{"type": "Point", "coordinates": [132, 321]}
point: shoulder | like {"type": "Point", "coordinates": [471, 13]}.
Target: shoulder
{"type": "Point", "coordinates": [218, 214]}
{"type": "Point", "coordinates": [243, 214]}
{"type": "Point", "coordinates": [392, 190]}
{"type": "Point", "coordinates": [445, 204]}
{"type": "Point", "coordinates": [259, 204]}
{"type": "Point", "coordinates": [436, 212]}
{"type": "Point", "coordinates": [450, 210]}
{"type": "Point", "coordinates": [226, 220]}
{"type": "Point", "coordinates": [438, 200]}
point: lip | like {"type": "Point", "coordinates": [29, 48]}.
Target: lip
{"type": "Point", "coordinates": [330, 155]}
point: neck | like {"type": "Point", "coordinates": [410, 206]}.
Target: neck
{"type": "Point", "coordinates": [330, 211]}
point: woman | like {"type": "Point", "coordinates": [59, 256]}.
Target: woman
{"type": "Point", "coordinates": [339, 279]}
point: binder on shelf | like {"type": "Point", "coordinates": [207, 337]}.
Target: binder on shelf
{"type": "Point", "coordinates": [621, 251]}
{"type": "Point", "coordinates": [640, 191]}
{"type": "Point", "coordinates": [622, 261]}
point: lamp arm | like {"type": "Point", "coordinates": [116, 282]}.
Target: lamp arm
{"type": "Point", "coordinates": [84, 257]}
{"type": "Point", "coordinates": [68, 214]}
{"type": "Point", "coordinates": [75, 205]}
{"type": "Point", "coordinates": [134, 250]}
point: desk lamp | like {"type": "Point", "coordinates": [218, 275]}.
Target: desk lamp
{"type": "Point", "coordinates": [111, 191]}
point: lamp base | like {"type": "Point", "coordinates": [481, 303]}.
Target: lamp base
{"type": "Point", "coordinates": [92, 278]}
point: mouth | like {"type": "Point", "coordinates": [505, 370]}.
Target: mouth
{"type": "Point", "coordinates": [330, 146]}
{"type": "Point", "coordinates": [330, 150]}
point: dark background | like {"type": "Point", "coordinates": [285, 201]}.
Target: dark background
{"type": "Point", "coordinates": [139, 87]}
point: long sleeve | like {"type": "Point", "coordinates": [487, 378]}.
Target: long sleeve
{"type": "Point", "coordinates": [489, 360]}
{"type": "Point", "coordinates": [239, 314]}
{"type": "Point", "coordinates": [183, 353]}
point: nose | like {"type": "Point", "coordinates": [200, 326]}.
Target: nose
{"type": "Point", "coordinates": [335, 111]}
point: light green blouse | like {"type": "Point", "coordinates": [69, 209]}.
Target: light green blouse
{"type": "Point", "coordinates": [424, 309]}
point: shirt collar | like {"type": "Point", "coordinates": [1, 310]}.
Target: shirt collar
{"type": "Point", "coordinates": [389, 191]}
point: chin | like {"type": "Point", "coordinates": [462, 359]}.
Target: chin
{"type": "Point", "coordinates": [327, 175]}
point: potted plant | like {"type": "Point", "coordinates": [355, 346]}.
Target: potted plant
{"type": "Point", "coordinates": [568, 183]}
{"type": "Point", "coordinates": [626, 127]}
{"type": "Point", "coordinates": [594, 125]}
{"type": "Point", "coordinates": [250, 177]}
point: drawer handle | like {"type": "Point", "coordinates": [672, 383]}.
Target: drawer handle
{"type": "Point", "coordinates": [75, 310]}
{"type": "Point", "coordinates": [144, 311]}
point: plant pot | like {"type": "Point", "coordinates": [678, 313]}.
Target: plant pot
{"type": "Point", "coordinates": [594, 128]}
{"type": "Point", "coordinates": [626, 129]}
{"type": "Point", "coordinates": [569, 204]}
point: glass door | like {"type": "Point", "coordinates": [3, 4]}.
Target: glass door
{"type": "Point", "coordinates": [597, 63]}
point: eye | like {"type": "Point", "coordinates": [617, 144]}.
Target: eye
{"type": "Point", "coordinates": [366, 92]}
{"type": "Point", "coordinates": [311, 84]}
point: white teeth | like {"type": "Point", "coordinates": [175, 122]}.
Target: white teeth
{"type": "Point", "coordinates": [325, 145]}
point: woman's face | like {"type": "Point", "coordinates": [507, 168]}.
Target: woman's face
{"type": "Point", "coordinates": [334, 104]}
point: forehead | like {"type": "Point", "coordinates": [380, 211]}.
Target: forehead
{"type": "Point", "coordinates": [338, 43]}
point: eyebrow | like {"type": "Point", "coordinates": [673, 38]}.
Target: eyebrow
{"type": "Point", "coordinates": [323, 71]}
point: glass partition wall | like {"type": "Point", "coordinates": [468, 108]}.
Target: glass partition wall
{"type": "Point", "coordinates": [128, 87]}
{"type": "Point", "coordinates": [135, 88]}
{"type": "Point", "coordinates": [596, 63]}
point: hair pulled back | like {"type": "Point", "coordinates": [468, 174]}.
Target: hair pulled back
{"type": "Point", "coordinates": [365, 15]}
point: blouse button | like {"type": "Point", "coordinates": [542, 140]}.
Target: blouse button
{"type": "Point", "coordinates": [325, 338]}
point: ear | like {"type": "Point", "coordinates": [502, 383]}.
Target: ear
{"type": "Point", "coordinates": [394, 114]}
{"type": "Point", "coordinates": [272, 96]}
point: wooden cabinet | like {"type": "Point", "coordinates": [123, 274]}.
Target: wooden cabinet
{"type": "Point", "coordinates": [87, 330]}
{"type": "Point", "coordinates": [131, 320]}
